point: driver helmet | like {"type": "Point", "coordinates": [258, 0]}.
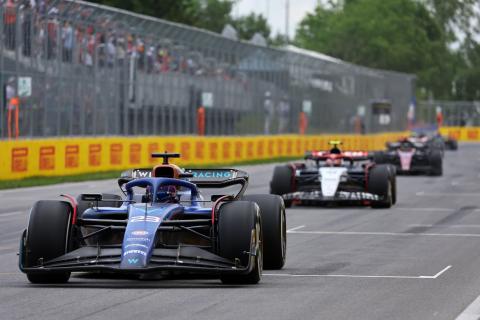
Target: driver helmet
{"type": "Point", "coordinates": [167, 194]}
{"type": "Point", "coordinates": [334, 162]}
{"type": "Point", "coordinates": [335, 150]}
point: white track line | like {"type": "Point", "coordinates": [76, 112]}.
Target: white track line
{"type": "Point", "coordinates": [355, 275]}
{"type": "Point", "coordinates": [9, 247]}
{"type": "Point", "coordinates": [472, 312]}
{"type": "Point", "coordinates": [287, 275]}
{"type": "Point", "coordinates": [439, 194]}
{"type": "Point", "coordinates": [412, 210]}
{"type": "Point", "coordinates": [296, 228]}
{"type": "Point", "coordinates": [393, 234]}
{"type": "Point", "coordinates": [13, 213]}
{"type": "Point", "coordinates": [445, 225]}
{"type": "Point", "coordinates": [441, 272]}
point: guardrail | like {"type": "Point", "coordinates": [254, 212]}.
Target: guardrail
{"type": "Point", "coordinates": [69, 156]}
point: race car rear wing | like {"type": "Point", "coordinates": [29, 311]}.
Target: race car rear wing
{"type": "Point", "coordinates": [203, 178]}
{"type": "Point", "coordinates": [405, 144]}
{"type": "Point", "coordinates": [350, 155]}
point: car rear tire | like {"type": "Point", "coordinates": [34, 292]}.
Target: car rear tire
{"type": "Point", "coordinates": [378, 157]}
{"type": "Point", "coordinates": [272, 211]}
{"type": "Point", "coordinates": [453, 144]}
{"type": "Point", "coordinates": [393, 181]}
{"type": "Point", "coordinates": [282, 182]}
{"type": "Point", "coordinates": [239, 223]}
{"type": "Point", "coordinates": [380, 183]}
{"type": "Point", "coordinates": [435, 158]}
{"type": "Point", "coordinates": [84, 205]}
{"type": "Point", "coordinates": [47, 238]}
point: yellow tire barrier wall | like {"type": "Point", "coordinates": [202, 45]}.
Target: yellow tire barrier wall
{"type": "Point", "coordinates": [462, 133]}
{"type": "Point", "coordinates": [69, 156]}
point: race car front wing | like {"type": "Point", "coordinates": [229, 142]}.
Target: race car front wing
{"type": "Point", "coordinates": [97, 258]}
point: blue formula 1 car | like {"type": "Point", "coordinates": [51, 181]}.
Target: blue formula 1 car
{"type": "Point", "coordinates": [162, 225]}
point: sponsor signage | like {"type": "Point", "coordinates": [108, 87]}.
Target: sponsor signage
{"type": "Point", "coordinates": [81, 155]}
{"type": "Point", "coordinates": [207, 99]}
{"type": "Point", "coordinates": [140, 233]}
{"type": "Point", "coordinates": [199, 150]}
{"type": "Point", "coordinates": [226, 149]}
{"type": "Point", "coordinates": [152, 148]}
{"type": "Point", "coordinates": [135, 153]}
{"type": "Point", "coordinates": [212, 174]}
{"type": "Point", "coordinates": [134, 251]}
{"type": "Point", "coordinates": [95, 155]}
{"type": "Point", "coordinates": [260, 148]}
{"type": "Point", "coordinates": [47, 158]}
{"type": "Point", "coordinates": [24, 87]}
{"type": "Point", "coordinates": [116, 153]}
{"type": "Point", "coordinates": [185, 150]}
{"type": "Point", "coordinates": [213, 150]}
{"type": "Point", "coordinates": [138, 239]}
{"type": "Point", "coordinates": [141, 173]}
{"type": "Point", "coordinates": [145, 219]}
{"type": "Point", "coordinates": [72, 154]}
{"type": "Point", "coordinates": [19, 159]}
{"type": "Point", "coordinates": [307, 107]}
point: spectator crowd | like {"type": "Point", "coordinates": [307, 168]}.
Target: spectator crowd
{"type": "Point", "coordinates": [76, 33]}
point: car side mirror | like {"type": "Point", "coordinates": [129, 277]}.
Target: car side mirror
{"type": "Point", "coordinates": [91, 197]}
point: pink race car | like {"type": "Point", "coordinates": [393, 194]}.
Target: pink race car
{"type": "Point", "coordinates": [412, 156]}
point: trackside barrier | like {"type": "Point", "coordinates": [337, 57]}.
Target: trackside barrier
{"type": "Point", "coordinates": [69, 156]}
{"type": "Point", "coordinates": [462, 133]}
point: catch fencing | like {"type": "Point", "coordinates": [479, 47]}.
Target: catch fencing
{"type": "Point", "coordinates": [70, 68]}
{"type": "Point", "coordinates": [452, 113]}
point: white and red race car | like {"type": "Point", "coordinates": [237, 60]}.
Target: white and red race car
{"type": "Point", "coordinates": [335, 177]}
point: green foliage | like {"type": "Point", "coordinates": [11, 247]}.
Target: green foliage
{"type": "Point", "coordinates": [279, 40]}
{"type": "Point", "coordinates": [208, 14]}
{"type": "Point", "coordinates": [468, 78]}
{"type": "Point", "coordinates": [211, 15]}
{"type": "Point", "coordinates": [247, 26]}
{"type": "Point", "coordinates": [214, 15]}
{"type": "Point", "coordinates": [183, 11]}
{"type": "Point", "coordinates": [451, 13]}
{"type": "Point", "coordinates": [401, 35]}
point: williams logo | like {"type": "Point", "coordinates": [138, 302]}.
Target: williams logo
{"type": "Point", "coordinates": [139, 173]}
{"type": "Point", "coordinates": [132, 261]}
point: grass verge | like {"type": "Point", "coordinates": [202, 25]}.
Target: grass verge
{"type": "Point", "coordinates": [43, 181]}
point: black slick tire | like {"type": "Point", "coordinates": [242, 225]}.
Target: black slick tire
{"type": "Point", "coordinates": [436, 163]}
{"type": "Point", "coordinates": [239, 224]}
{"type": "Point", "coordinates": [393, 180]}
{"type": "Point", "coordinates": [378, 157]}
{"type": "Point", "coordinates": [272, 211]}
{"type": "Point", "coordinates": [47, 238]}
{"type": "Point", "coordinates": [380, 183]}
{"type": "Point", "coordinates": [282, 182]}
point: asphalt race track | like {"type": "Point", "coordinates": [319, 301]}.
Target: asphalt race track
{"type": "Point", "coordinates": [418, 260]}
